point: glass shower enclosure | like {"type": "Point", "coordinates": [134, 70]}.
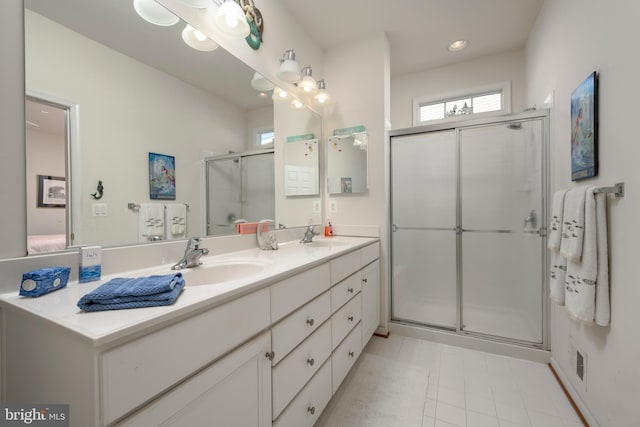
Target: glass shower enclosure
{"type": "Point", "coordinates": [239, 186]}
{"type": "Point", "coordinates": [468, 230]}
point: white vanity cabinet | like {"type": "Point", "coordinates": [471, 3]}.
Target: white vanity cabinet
{"type": "Point", "coordinates": [235, 391]}
{"type": "Point", "coordinates": [316, 345]}
{"type": "Point", "coordinates": [273, 355]}
{"type": "Point", "coordinates": [105, 384]}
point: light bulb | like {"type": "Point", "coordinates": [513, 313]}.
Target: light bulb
{"type": "Point", "coordinates": [198, 35]}
{"type": "Point", "coordinates": [231, 21]}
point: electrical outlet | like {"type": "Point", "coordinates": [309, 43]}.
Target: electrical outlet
{"type": "Point", "coordinates": [99, 209]}
{"type": "Point", "coordinates": [316, 206]}
{"type": "Point", "coordinates": [333, 206]}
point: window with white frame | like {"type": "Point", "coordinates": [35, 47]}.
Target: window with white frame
{"type": "Point", "coordinates": [491, 99]}
{"type": "Point", "coordinates": [265, 138]}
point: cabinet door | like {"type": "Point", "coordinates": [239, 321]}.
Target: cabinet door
{"type": "Point", "coordinates": [370, 300]}
{"type": "Point", "coordinates": [235, 391]}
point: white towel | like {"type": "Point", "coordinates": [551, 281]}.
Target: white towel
{"type": "Point", "coordinates": [558, 273]}
{"type": "Point", "coordinates": [555, 227]}
{"type": "Point", "coordinates": [558, 269]}
{"type": "Point", "coordinates": [603, 310]}
{"type": "Point", "coordinates": [573, 224]}
{"type": "Point", "coordinates": [176, 220]}
{"type": "Point", "coordinates": [580, 295]}
{"type": "Point", "coordinates": [150, 222]}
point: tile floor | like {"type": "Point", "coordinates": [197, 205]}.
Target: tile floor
{"type": "Point", "coordinates": [406, 382]}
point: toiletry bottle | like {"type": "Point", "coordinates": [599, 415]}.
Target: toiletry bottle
{"type": "Point", "coordinates": [328, 230]}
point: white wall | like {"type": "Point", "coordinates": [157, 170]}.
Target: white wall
{"type": "Point", "coordinates": [258, 120]}
{"type": "Point", "coordinates": [45, 156]}
{"type": "Point", "coordinates": [570, 39]}
{"type": "Point", "coordinates": [13, 229]}
{"type": "Point", "coordinates": [441, 81]}
{"type": "Point", "coordinates": [125, 113]}
{"type": "Point", "coordinates": [361, 97]}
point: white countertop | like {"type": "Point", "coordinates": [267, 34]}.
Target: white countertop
{"type": "Point", "coordinates": [105, 327]}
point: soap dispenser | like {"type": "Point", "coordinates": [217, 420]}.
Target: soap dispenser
{"type": "Point", "coordinates": [328, 230]}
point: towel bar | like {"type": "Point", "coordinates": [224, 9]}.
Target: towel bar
{"type": "Point", "coordinates": [136, 207]}
{"type": "Point", "coordinates": [617, 189]}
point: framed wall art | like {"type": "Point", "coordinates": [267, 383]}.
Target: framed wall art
{"type": "Point", "coordinates": [52, 191]}
{"type": "Point", "coordinates": [162, 177]}
{"type": "Point", "coordinates": [584, 129]}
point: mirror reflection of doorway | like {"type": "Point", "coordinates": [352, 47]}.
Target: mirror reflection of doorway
{"type": "Point", "coordinates": [46, 150]}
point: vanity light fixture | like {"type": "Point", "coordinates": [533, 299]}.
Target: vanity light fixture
{"type": "Point", "coordinates": [296, 104]}
{"type": "Point", "coordinates": [322, 97]}
{"type": "Point", "coordinates": [308, 83]}
{"type": "Point", "coordinates": [154, 13]}
{"type": "Point", "coordinates": [197, 4]}
{"type": "Point", "coordinates": [231, 20]}
{"type": "Point", "coordinates": [279, 94]}
{"type": "Point", "coordinates": [260, 83]}
{"type": "Point", "coordinates": [458, 45]}
{"type": "Point", "coordinates": [197, 40]}
{"type": "Point", "coordinates": [289, 70]}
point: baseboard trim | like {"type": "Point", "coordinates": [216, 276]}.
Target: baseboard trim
{"type": "Point", "coordinates": [578, 405]}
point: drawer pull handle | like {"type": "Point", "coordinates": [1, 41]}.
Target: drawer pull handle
{"type": "Point", "coordinates": [350, 318]}
{"type": "Point", "coordinates": [311, 361]}
{"type": "Point", "coordinates": [311, 409]}
{"type": "Point", "coordinates": [270, 355]}
{"type": "Point", "coordinates": [350, 290]}
{"type": "Point", "coordinates": [364, 280]}
{"type": "Point", "coordinates": [351, 354]}
{"type": "Point", "coordinates": [310, 322]}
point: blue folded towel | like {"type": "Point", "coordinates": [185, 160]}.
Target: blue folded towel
{"type": "Point", "coordinates": [123, 293]}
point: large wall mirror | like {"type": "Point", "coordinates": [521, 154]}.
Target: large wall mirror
{"type": "Point", "coordinates": [126, 89]}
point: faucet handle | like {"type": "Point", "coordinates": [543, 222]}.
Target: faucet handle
{"type": "Point", "coordinates": [193, 244]}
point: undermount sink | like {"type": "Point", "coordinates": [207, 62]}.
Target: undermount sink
{"type": "Point", "coordinates": [224, 271]}
{"type": "Point", "coordinates": [325, 243]}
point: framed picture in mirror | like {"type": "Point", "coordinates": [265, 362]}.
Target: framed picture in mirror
{"type": "Point", "coordinates": [162, 177]}
{"type": "Point", "coordinates": [52, 191]}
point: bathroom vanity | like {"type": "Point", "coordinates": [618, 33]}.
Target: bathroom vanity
{"type": "Point", "coordinates": [257, 338]}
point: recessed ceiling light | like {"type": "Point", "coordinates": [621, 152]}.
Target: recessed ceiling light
{"type": "Point", "coordinates": [458, 45]}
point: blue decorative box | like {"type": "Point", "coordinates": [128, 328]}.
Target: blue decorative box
{"type": "Point", "coordinates": [44, 280]}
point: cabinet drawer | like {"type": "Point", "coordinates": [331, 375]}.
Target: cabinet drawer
{"type": "Point", "coordinates": [344, 266]}
{"type": "Point", "coordinates": [309, 404]}
{"type": "Point", "coordinates": [137, 371]}
{"type": "Point", "coordinates": [345, 319]}
{"type": "Point", "coordinates": [345, 290]}
{"type": "Point", "coordinates": [295, 291]}
{"type": "Point", "coordinates": [234, 391]}
{"type": "Point", "coordinates": [369, 254]}
{"type": "Point", "coordinates": [291, 374]}
{"type": "Point", "coordinates": [345, 356]}
{"type": "Point", "coordinates": [298, 325]}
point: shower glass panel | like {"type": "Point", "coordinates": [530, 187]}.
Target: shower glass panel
{"type": "Point", "coordinates": [239, 186]}
{"type": "Point", "coordinates": [223, 195]}
{"type": "Point", "coordinates": [500, 207]}
{"type": "Point", "coordinates": [423, 193]}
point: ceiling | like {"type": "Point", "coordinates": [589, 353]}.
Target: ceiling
{"type": "Point", "coordinates": [419, 31]}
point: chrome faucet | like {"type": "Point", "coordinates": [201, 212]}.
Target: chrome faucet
{"type": "Point", "coordinates": [192, 255]}
{"type": "Point", "coordinates": [269, 242]}
{"type": "Point", "coordinates": [308, 235]}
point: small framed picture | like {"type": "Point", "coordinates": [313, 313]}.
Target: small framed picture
{"type": "Point", "coordinates": [584, 129]}
{"type": "Point", "coordinates": [52, 191]}
{"type": "Point", "coordinates": [162, 177]}
{"type": "Point", "coordinates": [345, 185]}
